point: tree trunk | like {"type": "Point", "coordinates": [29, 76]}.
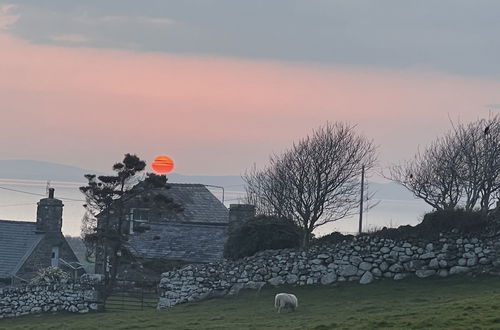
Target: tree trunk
{"type": "Point", "coordinates": [305, 239]}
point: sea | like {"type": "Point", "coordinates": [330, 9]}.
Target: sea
{"type": "Point", "coordinates": [18, 201]}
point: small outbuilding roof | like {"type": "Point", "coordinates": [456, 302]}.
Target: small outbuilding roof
{"type": "Point", "coordinates": [17, 241]}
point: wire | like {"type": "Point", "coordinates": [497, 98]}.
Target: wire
{"type": "Point", "coordinates": [24, 192]}
{"type": "Point", "coordinates": [20, 204]}
{"type": "Point", "coordinates": [35, 194]}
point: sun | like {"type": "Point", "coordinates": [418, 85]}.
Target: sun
{"type": "Point", "coordinates": [163, 165]}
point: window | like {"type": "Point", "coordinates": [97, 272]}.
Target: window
{"type": "Point", "coordinates": [54, 258]}
{"type": "Point", "coordinates": [137, 216]}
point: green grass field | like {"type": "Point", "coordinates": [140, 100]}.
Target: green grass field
{"type": "Point", "coordinates": [452, 303]}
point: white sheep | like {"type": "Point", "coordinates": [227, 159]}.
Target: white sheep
{"type": "Point", "coordinates": [285, 300]}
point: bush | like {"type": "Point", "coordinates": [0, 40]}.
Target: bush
{"type": "Point", "coordinates": [443, 221]}
{"type": "Point", "coordinates": [467, 222]}
{"type": "Point", "coordinates": [161, 266]}
{"type": "Point", "coordinates": [332, 238]}
{"type": "Point", "coordinates": [262, 233]}
{"type": "Point", "coordinates": [50, 275]}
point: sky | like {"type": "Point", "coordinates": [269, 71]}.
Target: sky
{"type": "Point", "coordinates": [219, 85]}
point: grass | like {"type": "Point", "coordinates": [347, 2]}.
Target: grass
{"type": "Point", "coordinates": [451, 303]}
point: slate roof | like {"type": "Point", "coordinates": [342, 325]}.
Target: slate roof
{"type": "Point", "coordinates": [180, 241]}
{"type": "Point", "coordinates": [200, 205]}
{"type": "Point", "coordinates": [17, 241]}
{"type": "Point", "coordinates": [197, 234]}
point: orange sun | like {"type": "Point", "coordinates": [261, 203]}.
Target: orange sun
{"type": "Point", "coordinates": [163, 165]}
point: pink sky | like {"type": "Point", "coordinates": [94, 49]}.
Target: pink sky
{"type": "Point", "coordinates": [212, 115]}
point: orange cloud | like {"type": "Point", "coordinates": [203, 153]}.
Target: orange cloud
{"type": "Point", "coordinates": [88, 107]}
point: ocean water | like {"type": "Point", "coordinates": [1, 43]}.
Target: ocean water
{"type": "Point", "coordinates": [18, 201]}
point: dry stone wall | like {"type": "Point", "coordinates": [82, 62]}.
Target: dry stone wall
{"type": "Point", "coordinates": [363, 259]}
{"type": "Point", "coordinates": [75, 298]}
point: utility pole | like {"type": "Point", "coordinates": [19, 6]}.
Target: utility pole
{"type": "Point", "coordinates": [361, 199]}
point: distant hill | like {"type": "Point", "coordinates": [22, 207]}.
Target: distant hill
{"type": "Point", "coordinates": [22, 169]}
{"type": "Point", "coordinates": [47, 171]}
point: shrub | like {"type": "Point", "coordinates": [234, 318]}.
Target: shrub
{"type": "Point", "coordinates": [50, 275]}
{"type": "Point", "coordinates": [161, 266]}
{"type": "Point", "coordinates": [261, 233]}
{"type": "Point", "coordinates": [442, 221]}
{"type": "Point", "coordinates": [467, 222]}
{"type": "Point", "coordinates": [332, 238]}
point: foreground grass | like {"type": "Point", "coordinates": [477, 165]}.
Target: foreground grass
{"type": "Point", "coordinates": [452, 303]}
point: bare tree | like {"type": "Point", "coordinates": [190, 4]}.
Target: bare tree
{"type": "Point", "coordinates": [460, 169]}
{"type": "Point", "coordinates": [469, 141]}
{"type": "Point", "coordinates": [267, 191]}
{"type": "Point", "coordinates": [316, 181]}
{"type": "Point", "coordinates": [433, 174]}
{"type": "Point", "coordinates": [490, 160]}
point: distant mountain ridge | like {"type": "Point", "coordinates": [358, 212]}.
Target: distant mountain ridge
{"type": "Point", "coordinates": [24, 169]}
{"type": "Point", "coordinates": [47, 171]}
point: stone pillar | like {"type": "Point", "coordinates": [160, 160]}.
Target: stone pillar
{"type": "Point", "coordinates": [238, 213]}
{"type": "Point", "coordinates": [49, 214]}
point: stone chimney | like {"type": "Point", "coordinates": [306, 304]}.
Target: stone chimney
{"type": "Point", "coordinates": [238, 213]}
{"type": "Point", "coordinates": [49, 214]}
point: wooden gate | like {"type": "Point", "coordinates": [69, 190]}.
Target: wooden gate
{"type": "Point", "coordinates": [140, 297]}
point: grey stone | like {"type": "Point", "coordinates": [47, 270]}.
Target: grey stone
{"type": "Point", "coordinates": [428, 255]}
{"type": "Point", "coordinates": [404, 258]}
{"type": "Point", "coordinates": [472, 262]}
{"type": "Point", "coordinates": [484, 261]}
{"type": "Point", "coordinates": [73, 309]}
{"type": "Point", "coordinates": [36, 310]}
{"type": "Point", "coordinates": [355, 260]}
{"type": "Point", "coordinates": [292, 279]}
{"type": "Point", "coordinates": [442, 273]}
{"type": "Point", "coordinates": [396, 268]}
{"type": "Point", "coordinates": [328, 278]}
{"type": "Point", "coordinates": [423, 273]}
{"type": "Point", "coordinates": [348, 270]}
{"type": "Point", "coordinates": [385, 250]}
{"type": "Point", "coordinates": [365, 266]}
{"type": "Point", "coordinates": [400, 276]}
{"type": "Point", "coordinates": [367, 278]}
{"type": "Point", "coordinates": [235, 289]}
{"type": "Point", "coordinates": [165, 302]}
{"type": "Point", "coordinates": [458, 270]}
{"type": "Point", "coordinates": [275, 281]}
{"type": "Point", "coordinates": [434, 263]}
{"type": "Point", "coordinates": [469, 255]}
{"type": "Point", "coordinates": [318, 268]}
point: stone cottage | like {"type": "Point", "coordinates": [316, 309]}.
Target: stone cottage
{"type": "Point", "coordinates": [25, 247]}
{"type": "Point", "coordinates": [195, 234]}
